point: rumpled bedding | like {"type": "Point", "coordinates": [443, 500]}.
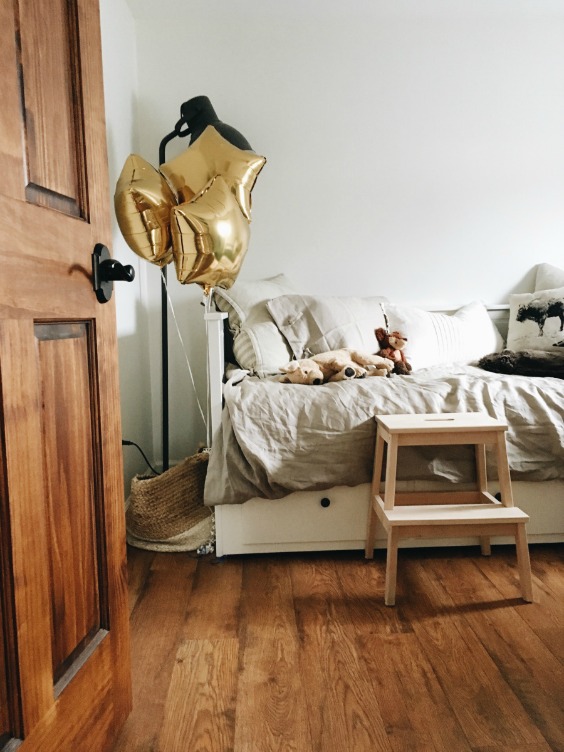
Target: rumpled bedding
{"type": "Point", "coordinates": [278, 438]}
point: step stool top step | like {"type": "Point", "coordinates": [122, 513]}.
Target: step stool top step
{"type": "Point", "coordinates": [440, 422]}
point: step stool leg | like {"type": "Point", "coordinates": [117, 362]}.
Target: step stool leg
{"type": "Point", "coordinates": [391, 567]}
{"type": "Point", "coordinates": [503, 471]}
{"type": "Point", "coordinates": [524, 562]}
{"type": "Point", "coordinates": [370, 531]}
{"type": "Point", "coordinates": [391, 469]}
{"type": "Point", "coordinates": [374, 490]}
{"type": "Point", "coordinates": [485, 545]}
{"type": "Point", "coordinates": [482, 483]}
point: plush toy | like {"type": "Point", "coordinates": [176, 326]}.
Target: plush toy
{"type": "Point", "coordinates": [335, 365]}
{"type": "Point", "coordinates": [392, 346]}
{"type": "Point", "coordinates": [304, 371]}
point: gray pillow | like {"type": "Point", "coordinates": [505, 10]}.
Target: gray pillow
{"type": "Point", "coordinates": [258, 345]}
{"type": "Point", "coordinates": [313, 325]}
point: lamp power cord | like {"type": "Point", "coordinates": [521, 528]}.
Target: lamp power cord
{"type": "Point", "coordinates": [126, 442]}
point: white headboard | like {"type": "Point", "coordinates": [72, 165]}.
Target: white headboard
{"type": "Point", "coordinates": [215, 325]}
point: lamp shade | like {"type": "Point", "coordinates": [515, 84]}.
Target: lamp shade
{"type": "Point", "coordinates": [197, 113]}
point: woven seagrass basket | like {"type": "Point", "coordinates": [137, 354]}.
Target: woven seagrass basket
{"type": "Point", "coordinates": [166, 512]}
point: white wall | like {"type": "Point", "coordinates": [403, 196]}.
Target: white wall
{"type": "Point", "coordinates": [120, 85]}
{"type": "Point", "coordinates": [414, 147]}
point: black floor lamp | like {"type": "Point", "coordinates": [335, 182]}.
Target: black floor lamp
{"type": "Point", "coordinates": [195, 116]}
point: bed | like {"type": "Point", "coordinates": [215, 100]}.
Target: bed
{"type": "Point", "coordinates": [290, 465]}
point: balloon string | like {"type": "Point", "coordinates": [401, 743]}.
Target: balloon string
{"type": "Point", "coordinates": [208, 307]}
{"type": "Point", "coordinates": [205, 422]}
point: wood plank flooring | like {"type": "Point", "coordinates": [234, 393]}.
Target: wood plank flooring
{"type": "Point", "coordinates": [297, 653]}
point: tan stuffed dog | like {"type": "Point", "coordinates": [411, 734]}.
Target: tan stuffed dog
{"type": "Point", "coordinates": [335, 365]}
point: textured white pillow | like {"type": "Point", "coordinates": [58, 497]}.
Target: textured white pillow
{"type": "Point", "coordinates": [549, 277]}
{"type": "Point", "coordinates": [536, 320]}
{"type": "Point", "coordinates": [314, 324]}
{"type": "Point", "coordinates": [257, 344]}
{"type": "Point", "coordinates": [439, 338]}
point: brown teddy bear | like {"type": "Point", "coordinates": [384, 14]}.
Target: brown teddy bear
{"type": "Point", "coordinates": [392, 346]}
{"type": "Point", "coordinates": [335, 365]}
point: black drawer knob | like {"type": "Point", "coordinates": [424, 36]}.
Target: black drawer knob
{"type": "Point", "coordinates": [325, 502]}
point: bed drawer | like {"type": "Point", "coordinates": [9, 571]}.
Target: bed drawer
{"type": "Point", "coordinates": [304, 521]}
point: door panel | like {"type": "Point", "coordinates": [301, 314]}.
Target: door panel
{"type": "Point", "coordinates": [73, 489]}
{"type": "Point", "coordinates": [11, 165]}
{"type": "Point", "coordinates": [64, 677]}
{"type": "Point", "coordinates": [51, 93]}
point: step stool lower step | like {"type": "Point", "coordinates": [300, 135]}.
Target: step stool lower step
{"type": "Point", "coordinates": [450, 514]}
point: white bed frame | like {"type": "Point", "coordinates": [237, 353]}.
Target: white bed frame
{"type": "Point", "coordinates": [335, 519]}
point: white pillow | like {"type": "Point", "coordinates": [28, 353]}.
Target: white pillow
{"type": "Point", "coordinates": [257, 344]}
{"type": "Point", "coordinates": [314, 325]}
{"type": "Point", "coordinates": [439, 338]}
{"type": "Point", "coordinates": [536, 320]}
{"type": "Point", "coordinates": [549, 277]}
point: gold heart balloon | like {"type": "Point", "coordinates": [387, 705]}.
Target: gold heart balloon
{"type": "Point", "coordinates": [143, 201]}
{"type": "Point", "coordinates": [211, 155]}
{"type": "Point", "coordinates": [210, 237]}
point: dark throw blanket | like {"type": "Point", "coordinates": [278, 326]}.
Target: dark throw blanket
{"type": "Point", "coordinates": [525, 363]}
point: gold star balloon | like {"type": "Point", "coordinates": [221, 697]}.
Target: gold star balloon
{"type": "Point", "coordinates": [210, 237]}
{"type": "Point", "coordinates": [210, 155]}
{"type": "Point", "coordinates": [143, 201]}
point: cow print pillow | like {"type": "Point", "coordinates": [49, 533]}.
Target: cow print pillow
{"type": "Point", "coordinates": [536, 320]}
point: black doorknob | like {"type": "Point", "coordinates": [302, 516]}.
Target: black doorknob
{"type": "Point", "coordinates": [106, 271]}
{"type": "Point", "coordinates": [112, 271]}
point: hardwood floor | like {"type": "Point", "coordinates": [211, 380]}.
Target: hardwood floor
{"type": "Point", "coordinates": [297, 652]}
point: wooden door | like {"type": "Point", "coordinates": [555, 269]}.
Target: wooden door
{"type": "Point", "coordinates": [64, 653]}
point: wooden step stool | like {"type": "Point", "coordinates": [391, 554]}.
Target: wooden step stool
{"type": "Point", "coordinates": [430, 514]}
